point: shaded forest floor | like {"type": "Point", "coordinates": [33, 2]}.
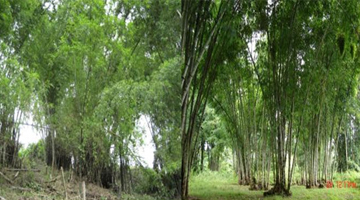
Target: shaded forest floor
{"type": "Point", "coordinates": [215, 186]}
{"type": "Point", "coordinates": [34, 185]}
{"type": "Point", "coordinates": [204, 186]}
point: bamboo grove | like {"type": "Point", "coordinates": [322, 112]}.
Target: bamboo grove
{"type": "Point", "coordinates": [274, 82]}
{"type": "Point", "coordinates": [286, 87]}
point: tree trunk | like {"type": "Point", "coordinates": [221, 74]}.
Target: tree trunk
{"type": "Point", "coordinates": [202, 153]}
{"type": "Point", "coordinates": [52, 150]}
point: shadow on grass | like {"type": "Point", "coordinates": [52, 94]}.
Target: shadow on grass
{"type": "Point", "coordinates": [231, 191]}
{"type": "Point", "coordinates": [223, 191]}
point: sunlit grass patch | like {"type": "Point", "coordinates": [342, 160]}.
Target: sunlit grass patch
{"type": "Point", "coordinates": [218, 186]}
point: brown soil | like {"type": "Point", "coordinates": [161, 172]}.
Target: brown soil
{"type": "Point", "coordinates": [28, 185]}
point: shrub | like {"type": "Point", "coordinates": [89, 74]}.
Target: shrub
{"type": "Point", "coordinates": [146, 181]}
{"type": "Point", "coordinates": [163, 185]}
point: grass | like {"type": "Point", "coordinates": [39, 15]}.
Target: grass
{"type": "Point", "coordinates": [205, 186]}
{"type": "Point", "coordinates": [217, 186]}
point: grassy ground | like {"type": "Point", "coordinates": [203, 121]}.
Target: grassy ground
{"type": "Point", "coordinates": [205, 186]}
{"type": "Point", "coordinates": [215, 186]}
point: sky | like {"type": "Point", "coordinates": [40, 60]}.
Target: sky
{"type": "Point", "coordinates": [29, 135]}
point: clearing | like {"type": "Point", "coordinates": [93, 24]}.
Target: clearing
{"type": "Point", "coordinates": [216, 186]}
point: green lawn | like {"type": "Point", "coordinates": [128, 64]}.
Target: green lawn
{"type": "Point", "coordinates": [211, 186]}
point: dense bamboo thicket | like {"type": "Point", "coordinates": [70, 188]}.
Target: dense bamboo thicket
{"type": "Point", "coordinates": [270, 85]}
